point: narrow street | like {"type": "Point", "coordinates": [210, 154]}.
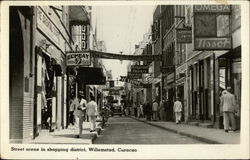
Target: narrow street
{"type": "Point", "coordinates": [125, 130]}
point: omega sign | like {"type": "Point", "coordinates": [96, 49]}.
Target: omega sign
{"type": "Point", "coordinates": [78, 59]}
{"type": "Point", "coordinates": [212, 8]}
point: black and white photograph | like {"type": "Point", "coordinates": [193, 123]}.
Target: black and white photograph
{"type": "Point", "coordinates": [129, 80]}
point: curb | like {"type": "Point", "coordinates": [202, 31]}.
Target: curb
{"type": "Point", "coordinates": [206, 140]}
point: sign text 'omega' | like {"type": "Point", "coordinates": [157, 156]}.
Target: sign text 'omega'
{"type": "Point", "coordinates": [212, 8]}
{"type": "Point", "coordinates": [78, 59]}
{"type": "Point", "coordinates": [206, 35]}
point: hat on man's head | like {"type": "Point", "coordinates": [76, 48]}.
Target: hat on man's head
{"type": "Point", "coordinates": [229, 89]}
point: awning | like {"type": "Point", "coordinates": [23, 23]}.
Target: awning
{"type": "Point", "coordinates": [91, 76]}
{"type": "Point", "coordinates": [78, 15]}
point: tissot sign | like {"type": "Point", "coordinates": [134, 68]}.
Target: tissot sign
{"type": "Point", "coordinates": [213, 43]}
{"type": "Point", "coordinates": [78, 59]}
{"type": "Point", "coordinates": [206, 18]}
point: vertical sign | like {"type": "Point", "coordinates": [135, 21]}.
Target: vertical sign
{"type": "Point", "coordinates": [84, 38]}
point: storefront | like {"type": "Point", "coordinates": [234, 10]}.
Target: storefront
{"type": "Point", "coordinates": [50, 68]}
{"type": "Point", "coordinates": [169, 87]}
{"type": "Point", "coordinates": [181, 91]}
{"type": "Point", "coordinates": [201, 83]}
{"type": "Point", "coordinates": [229, 74]}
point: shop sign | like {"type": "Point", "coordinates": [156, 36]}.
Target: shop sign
{"type": "Point", "coordinates": [139, 67]}
{"type": "Point", "coordinates": [84, 38]}
{"type": "Point", "coordinates": [134, 76]}
{"type": "Point", "coordinates": [114, 92]}
{"type": "Point", "coordinates": [78, 59]}
{"type": "Point", "coordinates": [47, 26]}
{"type": "Point", "coordinates": [184, 35]}
{"type": "Point", "coordinates": [212, 8]}
{"type": "Point", "coordinates": [139, 71]}
{"type": "Point", "coordinates": [213, 43]}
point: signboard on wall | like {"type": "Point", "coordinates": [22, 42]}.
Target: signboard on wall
{"type": "Point", "coordinates": [78, 59]}
{"type": "Point", "coordinates": [45, 25]}
{"type": "Point", "coordinates": [213, 43]}
{"type": "Point", "coordinates": [212, 8]}
{"type": "Point", "coordinates": [206, 28]}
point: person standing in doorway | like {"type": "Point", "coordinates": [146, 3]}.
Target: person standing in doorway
{"type": "Point", "coordinates": [91, 110]}
{"type": "Point", "coordinates": [229, 108]}
{"type": "Point", "coordinates": [177, 110]}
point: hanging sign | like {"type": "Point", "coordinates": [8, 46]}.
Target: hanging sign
{"type": "Point", "coordinates": [78, 59]}
{"type": "Point", "coordinates": [139, 67]}
{"type": "Point", "coordinates": [125, 79]}
{"type": "Point", "coordinates": [184, 35]}
{"type": "Point", "coordinates": [98, 54]}
{"type": "Point", "coordinates": [139, 71]}
{"type": "Point", "coordinates": [137, 84]}
{"type": "Point", "coordinates": [134, 76]}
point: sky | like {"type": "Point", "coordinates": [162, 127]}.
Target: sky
{"type": "Point", "coordinates": [121, 27]}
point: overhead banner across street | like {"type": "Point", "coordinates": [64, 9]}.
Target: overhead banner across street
{"type": "Point", "coordinates": [98, 54]}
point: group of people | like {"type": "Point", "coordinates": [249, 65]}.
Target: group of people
{"type": "Point", "coordinates": [155, 111]}
{"type": "Point", "coordinates": [227, 102]}
{"type": "Point", "coordinates": [80, 110]}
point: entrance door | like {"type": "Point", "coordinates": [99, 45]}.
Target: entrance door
{"type": "Point", "coordinates": [180, 94]}
{"type": "Point", "coordinates": [170, 103]}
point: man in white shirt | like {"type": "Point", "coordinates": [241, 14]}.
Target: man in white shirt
{"type": "Point", "coordinates": [80, 113]}
{"type": "Point", "coordinates": [229, 108]}
{"type": "Point", "coordinates": [177, 110]}
{"type": "Point", "coordinates": [91, 110]}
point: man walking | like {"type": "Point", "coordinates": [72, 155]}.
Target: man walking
{"type": "Point", "coordinates": [79, 113]}
{"type": "Point", "coordinates": [177, 110]}
{"type": "Point", "coordinates": [229, 108]}
{"type": "Point", "coordinates": [91, 110]}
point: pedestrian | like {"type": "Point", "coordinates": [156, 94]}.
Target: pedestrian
{"type": "Point", "coordinates": [177, 110]}
{"type": "Point", "coordinates": [148, 110]}
{"type": "Point", "coordinates": [141, 111]}
{"type": "Point", "coordinates": [138, 110]}
{"type": "Point", "coordinates": [155, 110]}
{"type": "Point", "coordinates": [71, 112]}
{"type": "Point", "coordinates": [80, 113]}
{"type": "Point", "coordinates": [92, 113]}
{"type": "Point", "coordinates": [163, 110]}
{"type": "Point", "coordinates": [229, 109]}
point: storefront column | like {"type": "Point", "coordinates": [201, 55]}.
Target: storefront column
{"type": "Point", "coordinates": [216, 94]}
